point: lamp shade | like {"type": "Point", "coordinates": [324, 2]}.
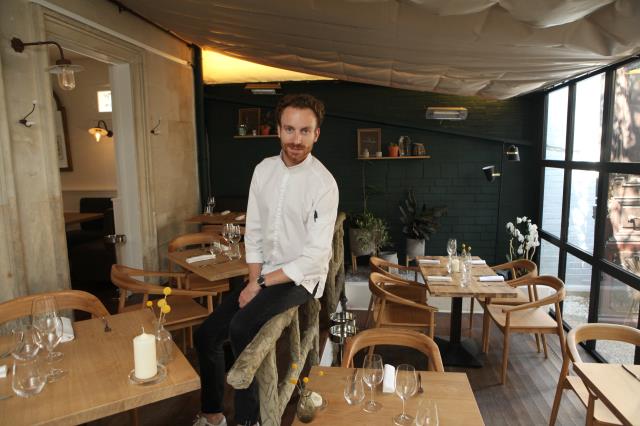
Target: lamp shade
{"type": "Point", "coordinates": [100, 130]}
{"type": "Point", "coordinates": [512, 153]}
{"type": "Point", "coordinates": [490, 173]}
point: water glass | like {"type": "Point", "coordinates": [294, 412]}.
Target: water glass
{"type": "Point", "coordinates": [28, 378]}
{"type": "Point", "coordinates": [353, 389]}
{"type": "Point", "coordinates": [373, 375]}
{"type": "Point", "coordinates": [466, 270]}
{"type": "Point", "coordinates": [427, 414]}
{"type": "Point", "coordinates": [211, 204]}
{"type": "Point", "coordinates": [452, 246]}
{"type": "Point", "coordinates": [406, 386]}
{"type": "Point", "coordinates": [26, 342]}
{"type": "Point", "coordinates": [44, 316]}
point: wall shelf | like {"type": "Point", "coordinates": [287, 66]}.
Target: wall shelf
{"type": "Point", "coordinates": [255, 136]}
{"type": "Point", "coordinates": [408, 157]}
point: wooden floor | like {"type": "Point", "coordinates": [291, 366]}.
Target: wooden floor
{"type": "Point", "coordinates": [525, 399]}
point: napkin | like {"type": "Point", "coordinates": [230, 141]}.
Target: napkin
{"type": "Point", "coordinates": [226, 212]}
{"type": "Point", "coordinates": [241, 217]}
{"type": "Point", "coordinates": [3, 371]}
{"type": "Point", "coordinates": [438, 278]}
{"type": "Point", "coordinates": [201, 258]}
{"type": "Point", "coordinates": [221, 247]}
{"type": "Point", "coordinates": [429, 261]}
{"type": "Point", "coordinates": [389, 380]}
{"type": "Point", "coordinates": [478, 262]}
{"type": "Point", "coordinates": [491, 278]}
{"type": "Point", "coordinates": [67, 330]}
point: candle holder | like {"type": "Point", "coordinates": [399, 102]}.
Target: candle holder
{"type": "Point", "coordinates": [159, 377]}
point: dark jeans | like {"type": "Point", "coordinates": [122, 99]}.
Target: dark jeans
{"type": "Point", "coordinates": [240, 326]}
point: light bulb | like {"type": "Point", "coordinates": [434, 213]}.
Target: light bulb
{"type": "Point", "coordinates": [97, 135]}
{"type": "Point", "coordinates": [66, 78]}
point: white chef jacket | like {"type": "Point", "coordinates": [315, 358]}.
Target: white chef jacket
{"type": "Point", "coordinates": [291, 214]}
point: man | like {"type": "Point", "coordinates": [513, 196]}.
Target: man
{"type": "Point", "coordinates": [293, 202]}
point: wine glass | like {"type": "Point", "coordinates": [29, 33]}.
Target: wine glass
{"type": "Point", "coordinates": [43, 317]}
{"type": "Point", "coordinates": [373, 375]}
{"type": "Point", "coordinates": [406, 386]}
{"type": "Point", "coordinates": [227, 234]}
{"type": "Point", "coordinates": [50, 338]}
{"type": "Point", "coordinates": [452, 246]}
{"type": "Point", "coordinates": [211, 204]}
{"type": "Point", "coordinates": [427, 414]}
{"type": "Point", "coordinates": [353, 389]}
{"type": "Point", "coordinates": [235, 236]}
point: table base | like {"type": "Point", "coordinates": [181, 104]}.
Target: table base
{"type": "Point", "coordinates": [465, 353]}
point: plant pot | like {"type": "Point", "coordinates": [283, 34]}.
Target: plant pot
{"type": "Point", "coordinates": [391, 257]}
{"type": "Point", "coordinates": [265, 129]}
{"type": "Point", "coordinates": [355, 246]}
{"type": "Point", "coordinates": [415, 247]}
{"type": "Point", "coordinates": [394, 151]}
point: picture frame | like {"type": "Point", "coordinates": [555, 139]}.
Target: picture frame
{"type": "Point", "coordinates": [250, 117]}
{"type": "Point", "coordinates": [65, 163]}
{"type": "Point", "coordinates": [369, 140]}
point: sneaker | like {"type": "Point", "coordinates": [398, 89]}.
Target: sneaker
{"type": "Point", "coordinates": [201, 420]}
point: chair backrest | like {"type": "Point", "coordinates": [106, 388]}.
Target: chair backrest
{"type": "Point", "coordinates": [543, 280]}
{"type": "Point", "coordinates": [601, 331]}
{"type": "Point", "coordinates": [520, 268]}
{"type": "Point", "coordinates": [393, 337]}
{"type": "Point", "coordinates": [381, 266]}
{"type": "Point", "coordinates": [186, 240]}
{"type": "Point", "coordinates": [377, 283]}
{"type": "Point", "coordinates": [65, 299]}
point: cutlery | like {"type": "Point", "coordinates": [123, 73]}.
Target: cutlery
{"type": "Point", "coordinates": [420, 390]}
{"type": "Point", "coordinates": [628, 370]}
{"type": "Point", "coordinates": [106, 325]}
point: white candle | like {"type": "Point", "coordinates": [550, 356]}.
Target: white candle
{"type": "Point", "coordinates": [455, 265]}
{"type": "Point", "coordinates": [144, 356]}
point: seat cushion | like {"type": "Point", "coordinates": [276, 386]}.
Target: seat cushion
{"type": "Point", "coordinates": [537, 318]}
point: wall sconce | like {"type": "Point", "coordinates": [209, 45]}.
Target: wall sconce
{"type": "Point", "coordinates": [263, 88]}
{"type": "Point", "coordinates": [490, 173]}
{"type": "Point", "coordinates": [512, 153]}
{"type": "Point", "coordinates": [63, 68]}
{"type": "Point", "coordinates": [101, 130]}
{"type": "Point", "coordinates": [446, 113]}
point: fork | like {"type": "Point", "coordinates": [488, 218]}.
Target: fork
{"type": "Point", "coordinates": [420, 390]}
{"type": "Point", "coordinates": [106, 325]}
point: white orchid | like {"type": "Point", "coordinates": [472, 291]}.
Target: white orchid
{"type": "Point", "coordinates": [518, 220]}
{"type": "Point", "coordinates": [523, 238]}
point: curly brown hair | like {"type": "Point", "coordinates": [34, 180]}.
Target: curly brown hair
{"type": "Point", "coordinates": [301, 101]}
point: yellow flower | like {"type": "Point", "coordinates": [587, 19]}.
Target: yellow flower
{"type": "Point", "coordinates": [149, 303]}
{"type": "Point", "coordinates": [320, 373]}
{"type": "Point", "coordinates": [166, 309]}
{"type": "Point", "coordinates": [166, 291]}
{"type": "Point", "coordinates": [294, 366]}
{"type": "Point", "coordinates": [293, 381]}
{"type": "Point", "coordinates": [305, 380]}
{"type": "Point", "coordinates": [161, 303]}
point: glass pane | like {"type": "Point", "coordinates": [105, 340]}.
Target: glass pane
{"type": "Point", "coordinates": [587, 129]}
{"type": "Point", "coordinates": [625, 143]}
{"type": "Point", "coordinates": [622, 228]}
{"type": "Point", "coordinates": [582, 209]}
{"type": "Point", "coordinates": [104, 100]}
{"type": "Point", "coordinates": [577, 282]}
{"type": "Point", "coordinates": [549, 256]}
{"type": "Point", "coordinates": [556, 131]}
{"type": "Point", "coordinates": [552, 203]}
{"type": "Point", "coordinates": [618, 305]}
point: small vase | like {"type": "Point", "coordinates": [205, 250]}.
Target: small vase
{"type": "Point", "coordinates": [306, 409]}
{"type": "Point", "coordinates": [164, 344]}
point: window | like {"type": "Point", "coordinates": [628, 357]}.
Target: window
{"type": "Point", "coordinates": [625, 144]}
{"type": "Point", "coordinates": [104, 100]}
{"type": "Point", "coordinates": [549, 255]}
{"type": "Point", "coordinates": [619, 304]}
{"type": "Point", "coordinates": [552, 212]}
{"type": "Point", "coordinates": [556, 129]}
{"type": "Point", "coordinates": [577, 283]}
{"type": "Point", "coordinates": [582, 209]}
{"type": "Point", "coordinates": [587, 129]}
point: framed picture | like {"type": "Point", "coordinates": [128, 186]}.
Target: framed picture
{"type": "Point", "coordinates": [62, 137]}
{"type": "Point", "coordinates": [250, 117]}
{"type": "Point", "coordinates": [369, 142]}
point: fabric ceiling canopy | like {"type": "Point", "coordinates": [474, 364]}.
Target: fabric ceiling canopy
{"type": "Point", "coordinates": [489, 48]}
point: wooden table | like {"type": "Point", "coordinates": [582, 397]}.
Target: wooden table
{"type": "Point", "coordinates": [216, 269]}
{"type": "Point", "coordinates": [451, 391]}
{"type": "Point", "coordinates": [97, 384]}
{"type": "Point", "coordinates": [615, 387]}
{"type": "Point", "coordinates": [218, 219]}
{"type": "Point", "coordinates": [72, 218]}
{"type": "Point", "coordinates": [458, 352]}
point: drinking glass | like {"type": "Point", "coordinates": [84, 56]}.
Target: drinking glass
{"type": "Point", "coordinates": [28, 379]}
{"type": "Point", "coordinates": [452, 246]}
{"type": "Point", "coordinates": [211, 203]}
{"type": "Point", "coordinates": [235, 236]}
{"type": "Point", "coordinates": [50, 337]}
{"type": "Point", "coordinates": [43, 317]}
{"type": "Point", "coordinates": [466, 270]}
{"type": "Point", "coordinates": [406, 386]}
{"type": "Point", "coordinates": [353, 389]}
{"type": "Point", "coordinates": [228, 235]}
{"type": "Point", "coordinates": [427, 414]}
{"type": "Point", "coordinates": [373, 375]}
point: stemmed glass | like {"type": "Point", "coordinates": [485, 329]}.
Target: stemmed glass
{"type": "Point", "coordinates": [373, 375]}
{"type": "Point", "coordinates": [227, 234]}
{"type": "Point", "coordinates": [211, 203]}
{"type": "Point", "coordinates": [234, 237]}
{"type": "Point", "coordinates": [452, 248]}
{"type": "Point", "coordinates": [27, 379]}
{"type": "Point", "coordinates": [353, 389]}
{"type": "Point", "coordinates": [427, 414]}
{"type": "Point", "coordinates": [406, 386]}
{"type": "Point", "coordinates": [45, 319]}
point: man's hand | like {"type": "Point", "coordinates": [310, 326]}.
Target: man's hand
{"type": "Point", "coordinates": [248, 293]}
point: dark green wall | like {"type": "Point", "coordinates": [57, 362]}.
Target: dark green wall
{"type": "Point", "coordinates": [452, 176]}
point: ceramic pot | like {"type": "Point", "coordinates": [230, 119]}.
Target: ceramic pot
{"type": "Point", "coordinates": [265, 129]}
{"type": "Point", "coordinates": [394, 151]}
{"type": "Point", "coordinates": [356, 247]}
{"type": "Point", "coordinates": [415, 247]}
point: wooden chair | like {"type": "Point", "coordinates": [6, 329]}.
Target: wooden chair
{"type": "Point", "coordinates": [193, 281]}
{"type": "Point", "coordinates": [597, 412]}
{"type": "Point", "coordinates": [392, 310]}
{"type": "Point", "coordinates": [217, 229]}
{"type": "Point", "coordinates": [529, 317]}
{"type": "Point", "coordinates": [65, 300]}
{"type": "Point", "coordinates": [393, 337]}
{"type": "Point", "coordinates": [185, 312]}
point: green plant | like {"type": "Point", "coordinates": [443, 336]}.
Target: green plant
{"type": "Point", "coordinates": [419, 225]}
{"type": "Point", "coordinates": [374, 230]}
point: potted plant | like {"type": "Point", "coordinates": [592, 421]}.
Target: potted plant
{"type": "Point", "coordinates": [394, 149]}
{"type": "Point", "coordinates": [369, 233]}
{"type": "Point", "coordinates": [267, 123]}
{"type": "Point", "coordinates": [418, 225]}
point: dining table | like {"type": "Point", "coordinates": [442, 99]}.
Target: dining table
{"type": "Point", "coordinates": [457, 351]}
{"type": "Point", "coordinates": [616, 386]}
{"type": "Point", "coordinates": [452, 393]}
{"type": "Point", "coordinates": [96, 384]}
{"type": "Point", "coordinates": [220, 268]}
{"type": "Point", "coordinates": [219, 218]}
{"type": "Point", "coordinates": [73, 218]}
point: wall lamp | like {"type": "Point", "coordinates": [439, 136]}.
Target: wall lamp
{"type": "Point", "coordinates": [101, 130]}
{"type": "Point", "coordinates": [490, 173]}
{"type": "Point", "coordinates": [511, 153]}
{"type": "Point", "coordinates": [63, 68]}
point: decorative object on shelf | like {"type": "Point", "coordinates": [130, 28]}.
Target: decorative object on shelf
{"type": "Point", "coordinates": [63, 68]}
{"type": "Point", "coordinates": [62, 138]}
{"type": "Point", "coordinates": [267, 123]}
{"type": "Point", "coordinates": [250, 118]}
{"type": "Point", "coordinates": [418, 149]}
{"type": "Point", "coordinates": [394, 150]}
{"type": "Point", "coordinates": [370, 140]}
{"type": "Point", "coordinates": [101, 130]}
{"type": "Point", "coordinates": [523, 239]}
{"type": "Point", "coordinates": [365, 153]}
{"type": "Point", "coordinates": [379, 154]}
{"type": "Point", "coordinates": [418, 226]}
{"type": "Point", "coordinates": [446, 113]}
{"type": "Point", "coordinates": [404, 144]}
{"type": "Point", "coordinates": [242, 130]}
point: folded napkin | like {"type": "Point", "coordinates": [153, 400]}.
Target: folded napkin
{"type": "Point", "coordinates": [438, 278]}
{"type": "Point", "coordinates": [429, 261]}
{"type": "Point", "coordinates": [224, 213]}
{"type": "Point", "coordinates": [478, 262]}
{"type": "Point", "coordinates": [220, 247]}
{"type": "Point", "coordinates": [491, 278]}
{"type": "Point", "coordinates": [3, 371]}
{"type": "Point", "coordinates": [241, 217]}
{"type": "Point", "coordinates": [201, 258]}
{"type": "Point", "coordinates": [67, 330]}
{"type": "Point", "coordinates": [389, 380]}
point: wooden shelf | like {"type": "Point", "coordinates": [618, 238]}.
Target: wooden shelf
{"type": "Point", "coordinates": [255, 136]}
{"type": "Point", "coordinates": [408, 157]}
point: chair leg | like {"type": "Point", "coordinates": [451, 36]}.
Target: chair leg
{"type": "Point", "coordinates": [544, 344]}
{"type": "Point", "coordinates": [189, 338]}
{"type": "Point", "coordinates": [133, 413]}
{"type": "Point", "coordinates": [485, 333]}
{"type": "Point", "coordinates": [537, 336]}
{"type": "Point", "coordinates": [471, 313]}
{"type": "Point", "coordinates": [590, 409]}
{"type": "Point", "coordinates": [505, 356]}
{"type": "Point", "coordinates": [354, 264]}
{"type": "Point", "coordinates": [559, 390]}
